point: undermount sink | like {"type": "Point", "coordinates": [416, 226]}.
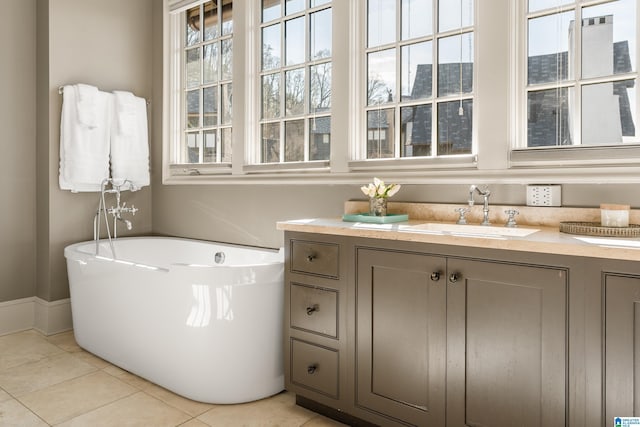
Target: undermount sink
{"type": "Point", "coordinates": [473, 230]}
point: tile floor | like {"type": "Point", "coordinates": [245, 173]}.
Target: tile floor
{"type": "Point", "coordinates": [51, 381]}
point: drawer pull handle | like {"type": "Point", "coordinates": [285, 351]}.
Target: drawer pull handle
{"type": "Point", "coordinates": [311, 369]}
{"type": "Point", "coordinates": [313, 308]}
{"type": "Point", "coordinates": [435, 276]}
{"type": "Point", "coordinates": [454, 277]}
{"type": "Point", "coordinates": [311, 258]}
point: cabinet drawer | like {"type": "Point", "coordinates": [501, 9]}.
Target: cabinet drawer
{"type": "Point", "coordinates": [315, 258]}
{"type": "Point", "coordinates": [314, 309]}
{"type": "Point", "coordinates": [314, 367]}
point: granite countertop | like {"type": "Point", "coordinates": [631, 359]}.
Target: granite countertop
{"type": "Point", "coordinates": [545, 239]}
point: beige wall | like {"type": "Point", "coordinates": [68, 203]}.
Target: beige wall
{"type": "Point", "coordinates": [18, 137]}
{"type": "Point", "coordinates": [106, 44]}
{"type": "Point", "coordinates": [247, 214]}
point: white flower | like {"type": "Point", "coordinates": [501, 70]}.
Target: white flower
{"type": "Point", "coordinates": [393, 190]}
{"type": "Point", "coordinates": [369, 190]}
{"type": "Point", "coordinates": [379, 189]}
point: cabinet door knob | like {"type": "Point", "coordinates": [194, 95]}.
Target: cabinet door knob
{"type": "Point", "coordinates": [312, 308]}
{"type": "Point", "coordinates": [435, 276]}
{"type": "Point", "coordinates": [454, 277]}
{"type": "Point", "coordinates": [311, 369]}
{"type": "Point", "coordinates": [311, 257]}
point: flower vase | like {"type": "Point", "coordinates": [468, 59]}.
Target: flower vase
{"type": "Point", "coordinates": [377, 206]}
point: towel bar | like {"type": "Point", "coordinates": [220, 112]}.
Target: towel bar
{"type": "Point", "coordinates": [61, 91]}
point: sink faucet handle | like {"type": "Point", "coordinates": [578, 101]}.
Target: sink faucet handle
{"type": "Point", "coordinates": [462, 212]}
{"type": "Point", "coordinates": [511, 220]}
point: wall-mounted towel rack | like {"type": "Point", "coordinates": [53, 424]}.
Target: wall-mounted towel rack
{"type": "Point", "coordinates": [61, 91]}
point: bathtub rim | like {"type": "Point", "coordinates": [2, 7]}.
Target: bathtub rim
{"type": "Point", "coordinates": [73, 252]}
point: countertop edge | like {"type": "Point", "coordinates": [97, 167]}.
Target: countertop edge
{"type": "Point", "coordinates": [547, 240]}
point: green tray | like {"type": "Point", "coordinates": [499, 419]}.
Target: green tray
{"type": "Point", "coordinates": [367, 217]}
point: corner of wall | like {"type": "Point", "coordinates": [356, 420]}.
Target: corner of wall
{"type": "Point", "coordinates": [52, 317]}
{"type": "Point", "coordinates": [34, 313]}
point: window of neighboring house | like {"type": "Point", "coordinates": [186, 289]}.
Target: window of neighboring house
{"type": "Point", "coordinates": [207, 90]}
{"type": "Point", "coordinates": [295, 81]}
{"type": "Point", "coordinates": [581, 73]}
{"type": "Point", "coordinates": [419, 78]}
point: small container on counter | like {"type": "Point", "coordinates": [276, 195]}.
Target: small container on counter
{"type": "Point", "coordinates": [614, 215]}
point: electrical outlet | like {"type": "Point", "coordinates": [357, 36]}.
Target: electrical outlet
{"type": "Point", "coordinates": [544, 195]}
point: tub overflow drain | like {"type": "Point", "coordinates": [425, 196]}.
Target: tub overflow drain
{"type": "Point", "coordinates": [219, 257]}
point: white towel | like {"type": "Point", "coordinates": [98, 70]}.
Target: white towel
{"type": "Point", "coordinates": [125, 112]}
{"type": "Point", "coordinates": [84, 150]}
{"type": "Point", "coordinates": [130, 141]}
{"type": "Point", "coordinates": [87, 101]}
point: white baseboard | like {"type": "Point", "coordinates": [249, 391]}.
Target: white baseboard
{"type": "Point", "coordinates": [35, 313]}
{"type": "Point", "coordinates": [16, 315]}
{"type": "Point", "coordinates": [52, 317]}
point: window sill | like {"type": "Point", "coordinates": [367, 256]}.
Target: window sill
{"type": "Point", "coordinates": [535, 166]}
{"type": "Point", "coordinates": [197, 169]}
{"type": "Point", "coordinates": [409, 163]}
{"type": "Point", "coordinates": [579, 156]}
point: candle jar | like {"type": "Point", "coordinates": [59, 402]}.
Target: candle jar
{"type": "Point", "coordinates": [614, 215]}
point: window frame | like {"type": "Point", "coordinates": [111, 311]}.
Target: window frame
{"type": "Point", "coordinates": [575, 155]}
{"type": "Point", "coordinates": [496, 108]}
{"type": "Point", "coordinates": [174, 104]}
{"type": "Point", "coordinates": [435, 100]}
{"type": "Point", "coordinates": [255, 159]}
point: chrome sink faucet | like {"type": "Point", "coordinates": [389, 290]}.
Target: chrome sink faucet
{"type": "Point", "coordinates": [485, 193]}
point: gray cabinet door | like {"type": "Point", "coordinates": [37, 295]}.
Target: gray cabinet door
{"type": "Point", "coordinates": [400, 335]}
{"type": "Point", "coordinates": [622, 346]}
{"type": "Point", "coordinates": [507, 344]}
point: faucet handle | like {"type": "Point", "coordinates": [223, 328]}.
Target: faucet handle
{"type": "Point", "coordinates": [511, 220]}
{"type": "Point", "coordinates": [462, 212]}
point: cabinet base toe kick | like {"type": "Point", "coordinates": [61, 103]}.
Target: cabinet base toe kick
{"type": "Point", "coordinates": [332, 413]}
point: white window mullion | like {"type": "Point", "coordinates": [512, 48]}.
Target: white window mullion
{"type": "Point", "coordinates": [434, 78]}
{"type": "Point", "coordinates": [576, 112]}
{"type": "Point", "coordinates": [282, 125]}
{"type": "Point", "coordinates": [252, 141]}
{"type": "Point", "coordinates": [306, 108]}
{"type": "Point", "coordinates": [636, 117]}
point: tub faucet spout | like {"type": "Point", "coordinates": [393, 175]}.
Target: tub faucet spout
{"type": "Point", "coordinates": [485, 193]}
{"type": "Point", "coordinates": [127, 223]}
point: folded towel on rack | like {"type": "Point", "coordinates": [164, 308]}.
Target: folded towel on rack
{"type": "Point", "coordinates": [86, 99]}
{"type": "Point", "coordinates": [84, 150]}
{"type": "Point", "coordinates": [130, 141]}
{"type": "Point", "coordinates": [125, 112]}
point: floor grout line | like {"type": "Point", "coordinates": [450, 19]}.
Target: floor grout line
{"type": "Point", "coordinates": [168, 402]}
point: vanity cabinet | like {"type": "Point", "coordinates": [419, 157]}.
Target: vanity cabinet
{"type": "Point", "coordinates": [396, 333]}
{"type": "Point", "coordinates": [621, 345]}
{"type": "Point", "coordinates": [507, 332]}
{"type": "Point", "coordinates": [401, 335]}
{"type": "Point", "coordinates": [450, 341]}
{"type": "Point", "coordinates": [315, 332]}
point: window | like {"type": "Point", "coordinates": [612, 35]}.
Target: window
{"type": "Point", "coordinates": [334, 91]}
{"type": "Point", "coordinates": [419, 77]}
{"type": "Point", "coordinates": [581, 73]}
{"type": "Point", "coordinates": [295, 81]}
{"type": "Point", "coordinates": [207, 89]}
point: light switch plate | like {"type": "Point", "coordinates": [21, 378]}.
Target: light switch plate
{"type": "Point", "coordinates": [544, 195]}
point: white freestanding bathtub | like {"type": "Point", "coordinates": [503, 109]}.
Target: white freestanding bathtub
{"type": "Point", "coordinates": [203, 320]}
